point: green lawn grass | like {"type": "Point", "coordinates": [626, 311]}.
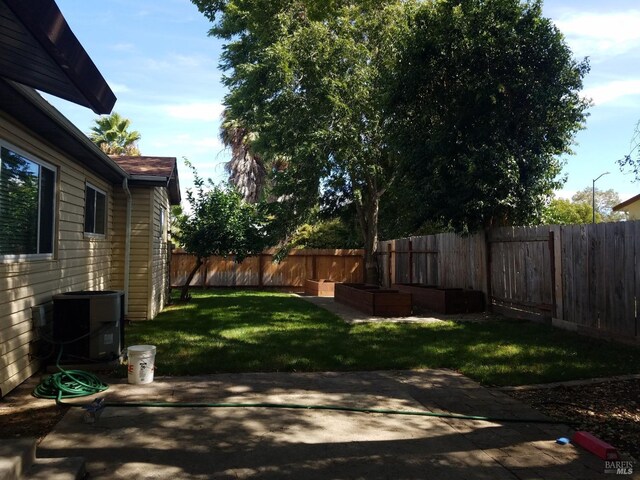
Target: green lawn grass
{"type": "Point", "coordinates": [250, 331]}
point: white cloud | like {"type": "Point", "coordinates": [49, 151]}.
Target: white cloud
{"type": "Point", "coordinates": [175, 61]}
{"type": "Point", "coordinates": [211, 143]}
{"type": "Point", "coordinates": [119, 87]}
{"type": "Point", "coordinates": [204, 111]}
{"type": "Point", "coordinates": [123, 47]}
{"type": "Point", "coordinates": [191, 61]}
{"type": "Point", "coordinates": [601, 34]}
{"type": "Point", "coordinates": [612, 91]}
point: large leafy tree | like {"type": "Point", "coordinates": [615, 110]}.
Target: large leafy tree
{"type": "Point", "coordinates": [475, 99]}
{"type": "Point", "coordinates": [561, 211]}
{"type": "Point", "coordinates": [311, 80]}
{"type": "Point", "coordinates": [605, 200]}
{"type": "Point", "coordinates": [218, 222]}
{"type": "Point", "coordinates": [488, 100]}
{"type": "Point", "coordinates": [113, 135]}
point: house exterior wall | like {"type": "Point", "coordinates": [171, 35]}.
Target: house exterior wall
{"type": "Point", "coordinates": [79, 262]}
{"type": "Point", "coordinates": [160, 267]}
{"type": "Point", "coordinates": [140, 251]}
{"type": "Point", "coordinates": [148, 272]}
{"type": "Point", "coordinates": [633, 210]}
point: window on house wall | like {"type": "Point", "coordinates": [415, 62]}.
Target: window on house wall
{"type": "Point", "coordinates": [95, 210]}
{"type": "Point", "coordinates": [27, 201]}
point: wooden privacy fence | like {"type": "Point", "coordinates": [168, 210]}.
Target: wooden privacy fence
{"type": "Point", "coordinates": [580, 277]}
{"type": "Point", "coordinates": [262, 271]}
{"type": "Point", "coordinates": [430, 260]}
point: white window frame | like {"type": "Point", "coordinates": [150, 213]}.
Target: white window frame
{"type": "Point", "coordinates": [54, 222]}
{"type": "Point", "coordinates": [93, 234]}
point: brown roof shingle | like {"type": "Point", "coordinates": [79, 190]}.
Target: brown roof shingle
{"type": "Point", "coordinates": [146, 165]}
{"type": "Point", "coordinates": [164, 169]}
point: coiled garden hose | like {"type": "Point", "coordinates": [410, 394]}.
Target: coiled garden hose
{"type": "Point", "coordinates": [69, 384]}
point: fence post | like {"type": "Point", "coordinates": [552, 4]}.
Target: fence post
{"type": "Point", "coordinates": [203, 273]}
{"type": "Point", "coordinates": [487, 246]}
{"type": "Point", "coordinates": [314, 267]}
{"type": "Point", "coordinates": [260, 266]}
{"type": "Point", "coordinates": [389, 262]}
{"type": "Point", "coordinates": [552, 256]}
{"type": "Point", "coordinates": [410, 261]}
{"type": "Point", "coordinates": [556, 260]}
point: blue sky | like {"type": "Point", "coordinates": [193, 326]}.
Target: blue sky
{"type": "Point", "coordinates": [162, 66]}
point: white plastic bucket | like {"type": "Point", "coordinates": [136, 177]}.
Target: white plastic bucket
{"type": "Point", "coordinates": [141, 363]}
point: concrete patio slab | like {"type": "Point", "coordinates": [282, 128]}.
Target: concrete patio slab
{"type": "Point", "coordinates": [200, 443]}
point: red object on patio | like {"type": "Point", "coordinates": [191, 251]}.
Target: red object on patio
{"type": "Point", "coordinates": [596, 446]}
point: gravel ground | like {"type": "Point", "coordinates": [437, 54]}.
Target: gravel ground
{"type": "Point", "coordinates": [609, 410]}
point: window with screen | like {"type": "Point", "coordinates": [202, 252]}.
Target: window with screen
{"type": "Point", "coordinates": [95, 210]}
{"type": "Point", "coordinates": [27, 204]}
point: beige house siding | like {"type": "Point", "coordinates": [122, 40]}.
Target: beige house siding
{"type": "Point", "coordinates": [148, 274]}
{"type": "Point", "coordinates": [159, 277]}
{"type": "Point", "coordinates": [80, 262]}
{"type": "Point", "coordinates": [633, 211]}
{"type": "Point", "coordinates": [140, 253]}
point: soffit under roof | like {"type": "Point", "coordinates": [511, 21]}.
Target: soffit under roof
{"type": "Point", "coordinates": [38, 49]}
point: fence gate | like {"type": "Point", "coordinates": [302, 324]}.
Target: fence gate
{"type": "Point", "coordinates": [522, 272]}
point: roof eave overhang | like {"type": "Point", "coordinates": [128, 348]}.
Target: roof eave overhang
{"type": "Point", "coordinates": [170, 183]}
{"type": "Point", "coordinates": [625, 204]}
{"type": "Point", "coordinates": [69, 71]}
{"type": "Point", "coordinates": [26, 106]}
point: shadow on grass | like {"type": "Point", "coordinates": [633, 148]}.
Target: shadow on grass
{"type": "Point", "coordinates": [242, 331]}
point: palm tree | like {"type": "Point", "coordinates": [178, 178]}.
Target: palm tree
{"type": "Point", "coordinates": [246, 169]}
{"type": "Point", "coordinates": [111, 133]}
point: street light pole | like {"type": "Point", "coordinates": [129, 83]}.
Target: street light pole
{"type": "Point", "coordinates": [593, 195]}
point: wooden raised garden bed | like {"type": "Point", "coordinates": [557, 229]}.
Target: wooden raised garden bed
{"type": "Point", "coordinates": [444, 300]}
{"type": "Point", "coordinates": [373, 300]}
{"type": "Point", "coordinates": [319, 288]}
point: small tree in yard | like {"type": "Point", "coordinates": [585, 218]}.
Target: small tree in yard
{"type": "Point", "coordinates": [219, 223]}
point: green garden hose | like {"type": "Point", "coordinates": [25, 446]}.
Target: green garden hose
{"type": "Point", "coordinates": [298, 406]}
{"type": "Point", "coordinates": [78, 383]}
{"type": "Point", "coordinates": [69, 384]}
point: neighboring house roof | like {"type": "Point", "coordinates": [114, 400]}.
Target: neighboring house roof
{"type": "Point", "coordinates": [153, 171]}
{"type": "Point", "coordinates": [621, 206]}
{"type": "Point", "coordinates": [29, 108]}
{"type": "Point", "coordinates": [38, 49]}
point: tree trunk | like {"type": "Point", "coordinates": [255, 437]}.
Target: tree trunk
{"type": "Point", "coordinates": [368, 219]}
{"type": "Point", "coordinates": [184, 292]}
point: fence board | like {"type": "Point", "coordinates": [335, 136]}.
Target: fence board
{"type": "Point", "coordinates": [568, 284]}
{"type": "Point", "coordinates": [581, 275]}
